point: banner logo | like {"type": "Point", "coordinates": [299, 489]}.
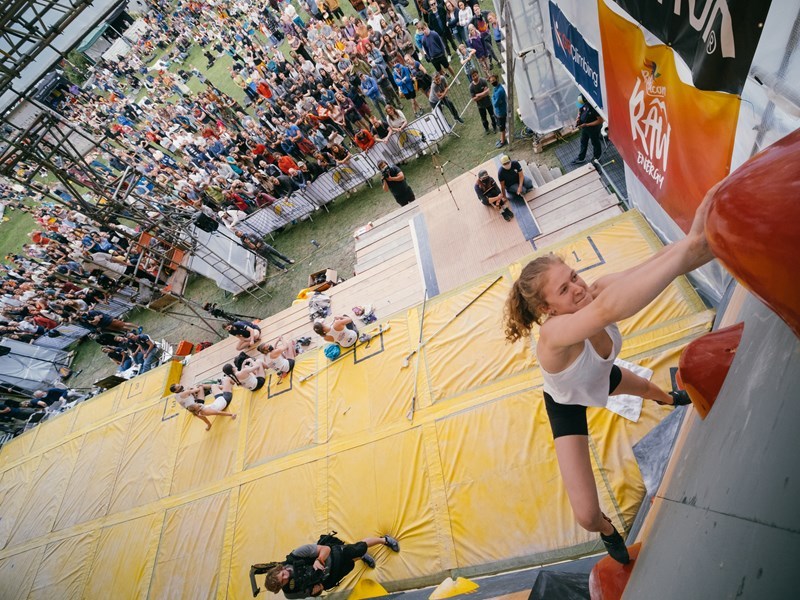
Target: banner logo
{"type": "Point", "coordinates": [716, 38]}
{"type": "Point", "coordinates": [580, 59]}
{"type": "Point", "coordinates": [650, 128]}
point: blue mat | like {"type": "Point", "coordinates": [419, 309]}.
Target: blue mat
{"type": "Point", "coordinates": [521, 210]}
{"type": "Point", "coordinates": [610, 160]}
{"type": "Point", "coordinates": [425, 256]}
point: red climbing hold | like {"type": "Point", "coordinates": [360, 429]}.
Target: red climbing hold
{"type": "Point", "coordinates": [608, 578]}
{"type": "Point", "coordinates": [752, 227]}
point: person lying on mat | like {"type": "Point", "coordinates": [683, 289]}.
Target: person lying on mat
{"type": "Point", "coordinates": [576, 347]}
{"type": "Point", "coordinates": [278, 357]}
{"type": "Point", "coordinates": [341, 331]}
{"type": "Point", "coordinates": [313, 568]}
{"type": "Point", "coordinates": [223, 394]}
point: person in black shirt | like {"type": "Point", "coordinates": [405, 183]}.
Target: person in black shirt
{"type": "Point", "coordinates": [482, 95]}
{"type": "Point", "coordinates": [247, 332]}
{"type": "Point", "coordinates": [590, 123]}
{"type": "Point", "coordinates": [513, 182]}
{"type": "Point", "coordinates": [489, 194]}
{"type": "Point", "coordinates": [394, 181]}
{"type": "Point", "coordinates": [258, 246]}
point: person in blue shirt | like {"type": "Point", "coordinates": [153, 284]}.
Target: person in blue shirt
{"type": "Point", "coordinates": [370, 89]}
{"type": "Point", "coordinates": [405, 83]}
{"type": "Point", "coordinates": [435, 50]}
{"type": "Point", "coordinates": [500, 107]}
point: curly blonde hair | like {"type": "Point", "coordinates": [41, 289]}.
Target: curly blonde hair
{"type": "Point", "coordinates": [525, 302]}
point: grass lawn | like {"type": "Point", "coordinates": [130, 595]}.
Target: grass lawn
{"type": "Point", "coordinates": [14, 230]}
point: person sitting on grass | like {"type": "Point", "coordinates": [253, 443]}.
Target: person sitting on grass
{"type": "Point", "coordinates": [489, 194]}
{"type": "Point", "coordinates": [247, 332]}
{"type": "Point", "coordinates": [223, 394]}
{"type": "Point", "coordinates": [278, 357]}
{"type": "Point", "coordinates": [341, 331]}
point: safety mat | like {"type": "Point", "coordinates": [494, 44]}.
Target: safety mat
{"type": "Point", "coordinates": [128, 493]}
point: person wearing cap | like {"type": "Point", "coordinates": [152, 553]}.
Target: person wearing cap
{"type": "Point", "coordinates": [513, 182]}
{"type": "Point", "coordinates": [590, 123]}
{"type": "Point", "coordinates": [394, 181]}
{"type": "Point", "coordinates": [490, 194]}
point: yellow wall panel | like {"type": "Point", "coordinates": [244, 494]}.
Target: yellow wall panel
{"type": "Point", "coordinates": [270, 523]}
{"type": "Point", "coordinates": [504, 490]}
{"type": "Point", "coordinates": [52, 430]}
{"type": "Point", "coordinates": [39, 511]}
{"type": "Point", "coordinates": [282, 418]}
{"type": "Point", "coordinates": [206, 456]}
{"type": "Point", "coordinates": [92, 411]}
{"type": "Point", "coordinates": [153, 384]}
{"type": "Point", "coordinates": [383, 487]}
{"type": "Point", "coordinates": [15, 485]}
{"type": "Point", "coordinates": [369, 388]}
{"type": "Point", "coordinates": [124, 558]}
{"type": "Point", "coordinates": [145, 470]}
{"type": "Point", "coordinates": [17, 573]}
{"type": "Point", "coordinates": [89, 491]}
{"type": "Point", "coordinates": [17, 448]}
{"type": "Point", "coordinates": [187, 562]}
{"type": "Point", "coordinates": [64, 568]}
{"type": "Point", "coordinates": [471, 351]}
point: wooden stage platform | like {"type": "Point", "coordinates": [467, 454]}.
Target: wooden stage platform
{"type": "Point", "coordinates": [438, 243]}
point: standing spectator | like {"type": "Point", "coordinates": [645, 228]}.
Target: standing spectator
{"type": "Point", "coordinates": [500, 106]}
{"type": "Point", "coordinates": [402, 77]}
{"type": "Point", "coordinates": [394, 181]}
{"type": "Point", "coordinates": [439, 97]}
{"type": "Point", "coordinates": [590, 123]}
{"type": "Point", "coordinates": [479, 90]}
{"type": "Point", "coordinates": [434, 50]}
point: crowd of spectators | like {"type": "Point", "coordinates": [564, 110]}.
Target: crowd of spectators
{"type": "Point", "coordinates": [335, 92]}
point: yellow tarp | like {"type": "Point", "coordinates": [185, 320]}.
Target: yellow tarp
{"type": "Point", "coordinates": [128, 496]}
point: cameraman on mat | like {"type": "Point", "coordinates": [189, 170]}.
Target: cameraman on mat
{"type": "Point", "coordinates": [395, 182]}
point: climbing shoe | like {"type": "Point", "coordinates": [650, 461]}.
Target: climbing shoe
{"type": "Point", "coordinates": [680, 398]}
{"type": "Point", "coordinates": [369, 561]}
{"type": "Point", "coordinates": [392, 543]}
{"type": "Point", "coordinates": [507, 214]}
{"type": "Point", "coordinates": [615, 546]}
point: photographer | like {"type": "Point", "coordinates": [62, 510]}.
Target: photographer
{"type": "Point", "coordinates": [395, 182]}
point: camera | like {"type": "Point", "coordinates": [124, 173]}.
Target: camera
{"type": "Point", "coordinates": [385, 172]}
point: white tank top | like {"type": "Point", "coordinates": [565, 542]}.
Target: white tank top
{"type": "Point", "coordinates": [280, 364]}
{"type": "Point", "coordinates": [585, 381]}
{"type": "Point", "coordinates": [250, 382]}
{"type": "Point", "coordinates": [345, 338]}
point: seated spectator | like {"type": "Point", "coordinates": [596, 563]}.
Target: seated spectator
{"type": "Point", "coordinates": [45, 399]}
{"type": "Point", "coordinates": [223, 394]}
{"type": "Point", "coordinates": [251, 377]}
{"type": "Point", "coordinates": [247, 332]}
{"type": "Point", "coordinates": [279, 358]}
{"type": "Point", "coordinates": [341, 331]}
{"type": "Point", "coordinates": [489, 194]}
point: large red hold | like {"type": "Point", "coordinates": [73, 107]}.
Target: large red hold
{"type": "Point", "coordinates": [608, 578]}
{"type": "Point", "coordinates": [705, 363]}
{"type": "Point", "coordinates": [753, 227]}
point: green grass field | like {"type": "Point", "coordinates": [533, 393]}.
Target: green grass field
{"type": "Point", "coordinates": [14, 230]}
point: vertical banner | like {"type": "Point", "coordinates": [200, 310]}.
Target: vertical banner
{"type": "Point", "coordinates": [580, 59]}
{"type": "Point", "coordinates": [676, 139]}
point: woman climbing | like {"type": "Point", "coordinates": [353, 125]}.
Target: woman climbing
{"type": "Point", "coordinates": [578, 342]}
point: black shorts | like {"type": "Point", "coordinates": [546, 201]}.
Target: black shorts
{"type": "Point", "coordinates": [570, 419]}
{"type": "Point", "coordinates": [260, 381]}
{"type": "Point", "coordinates": [410, 95]}
{"type": "Point", "coordinates": [343, 561]}
{"type": "Point", "coordinates": [440, 62]}
{"type": "Point", "coordinates": [501, 122]}
{"type": "Point", "coordinates": [227, 396]}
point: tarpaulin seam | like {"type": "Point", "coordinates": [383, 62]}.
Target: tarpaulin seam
{"type": "Point", "coordinates": [601, 469]}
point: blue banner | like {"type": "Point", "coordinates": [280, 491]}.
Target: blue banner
{"type": "Point", "coordinates": [580, 59]}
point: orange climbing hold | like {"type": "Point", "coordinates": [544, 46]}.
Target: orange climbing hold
{"type": "Point", "coordinates": [705, 363]}
{"type": "Point", "coordinates": [608, 578]}
{"type": "Point", "coordinates": [752, 227]}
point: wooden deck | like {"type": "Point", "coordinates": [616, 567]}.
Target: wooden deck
{"type": "Point", "coordinates": [452, 244]}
